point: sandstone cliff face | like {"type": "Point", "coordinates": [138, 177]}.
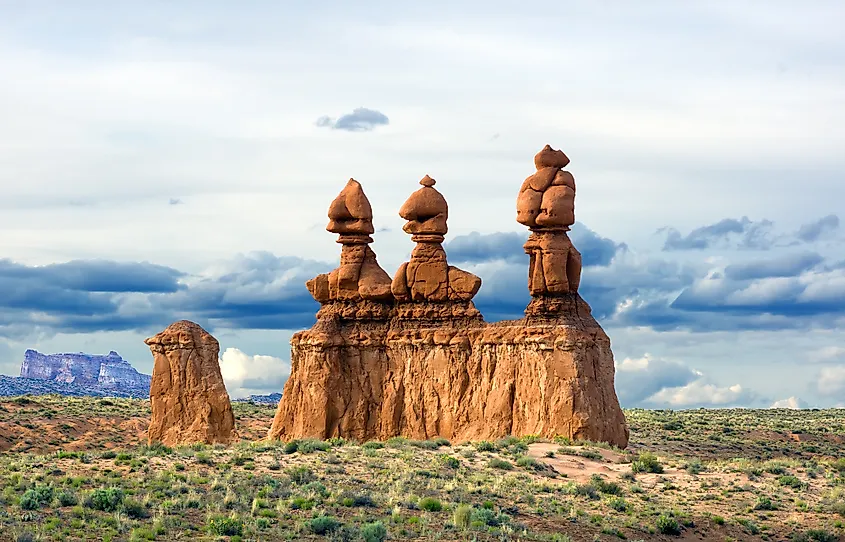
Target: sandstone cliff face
{"type": "Point", "coordinates": [188, 398]}
{"type": "Point", "coordinates": [424, 363]}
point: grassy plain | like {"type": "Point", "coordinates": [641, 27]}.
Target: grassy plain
{"type": "Point", "coordinates": [79, 469]}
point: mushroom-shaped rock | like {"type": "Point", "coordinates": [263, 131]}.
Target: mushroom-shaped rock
{"type": "Point", "coordinates": [350, 211]}
{"type": "Point", "coordinates": [549, 157]}
{"type": "Point", "coordinates": [188, 397]}
{"type": "Point", "coordinates": [425, 210]}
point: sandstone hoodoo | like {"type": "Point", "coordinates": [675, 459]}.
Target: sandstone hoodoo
{"type": "Point", "coordinates": [188, 398]}
{"type": "Point", "coordinates": [423, 363]}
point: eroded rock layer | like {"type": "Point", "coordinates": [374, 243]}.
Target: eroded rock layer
{"type": "Point", "coordinates": [188, 398]}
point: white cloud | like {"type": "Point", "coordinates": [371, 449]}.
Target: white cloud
{"type": "Point", "coordinates": [793, 403]}
{"type": "Point", "coordinates": [827, 354]}
{"type": "Point", "coordinates": [701, 393]}
{"type": "Point", "coordinates": [245, 374]}
{"type": "Point", "coordinates": [831, 381]}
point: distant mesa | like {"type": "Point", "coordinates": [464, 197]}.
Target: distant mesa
{"type": "Point", "coordinates": [77, 374]}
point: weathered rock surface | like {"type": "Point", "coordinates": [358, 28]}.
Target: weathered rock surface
{"type": "Point", "coordinates": [427, 364]}
{"type": "Point", "coordinates": [188, 398]}
{"type": "Point", "coordinates": [86, 371]}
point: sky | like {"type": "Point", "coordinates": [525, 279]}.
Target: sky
{"type": "Point", "coordinates": [167, 160]}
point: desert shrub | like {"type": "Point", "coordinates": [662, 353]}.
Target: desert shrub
{"type": "Point", "coordinates": [322, 525]}
{"type": "Point", "coordinates": [25, 536]}
{"type": "Point", "coordinates": [604, 486]}
{"type": "Point", "coordinates": [646, 462]}
{"type": "Point", "coordinates": [694, 466]}
{"type": "Point", "coordinates": [775, 467]}
{"type": "Point", "coordinates": [67, 497]}
{"type": "Point", "coordinates": [109, 454]}
{"type": "Point", "coordinates": [356, 500]}
{"type": "Point", "coordinates": [587, 453]}
{"type": "Point", "coordinates": [764, 503]}
{"type": "Point", "coordinates": [497, 463]}
{"type": "Point", "coordinates": [667, 525]}
{"type": "Point", "coordinates": [791, 481]}
{"type": "Point", "coordinates": [374, 532]}
{"type": "Point", "coordinates": [37, 497]}
{"type": "Point", "coordinates": [815, 535]}
{"type": "Point", "coordinates": [202, 458]}
{"type": "Point", "coordinates": [300, 475]}
{"type": "Point", "coordinates": [441, 441]}
{"type": "Point", "coordinates": [373, 445]}
{"type": "Point", "coordinates": [617, 503]}
{"type": "Point", "coordinates": [430, 504]}
{"type": "Point", "coordinates": [106, 500]}
{"type": "Point", "coordinates": [462, 516]}
{"type": "Point", "coordinates": [135, 509]}
{"type": "Point", "coordinates": [750, 526]}
{"type": "Point", "coordinates": [587, 490]}
{"type": "Point", "coordinates": [449, 461]}
{"type": "Point", "coordinates": [527, 462]}
{"type": "Point", "coordinates": [291, 447]}
{"type": "Point", "coordinates": [309, 446]}
{"type": "Point", "coordinates": [142, 533]}
{"type": "Point", "coordinates": [424, 444]}
{"type": "Point", "coordinates": [226, 526]}
{"type": "Point", "coordinates": [485, 446]}
{"type": "Point", "coordinates": [673, 425]}
{"type": "Point", "coordinates": [486, 516]}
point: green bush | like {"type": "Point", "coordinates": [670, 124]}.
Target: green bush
{"type": "Point", "coordinates": [815, 535]}
{"type": "Point", "coordinates": [603, 486]}
{"type": "Point", "coordinates": [291, 447]}
{"type": "Point", "coordinates": [322, 524]}
{"type": "Point", "coordinates": [373, 445]}
{"type": "Point", "coordinates": [485, 446]}
{"type": "Point", "coordinates": [67, 497]}
{"type": "Point", "coordinates": [107, 500]}
{"type": "Point", "coordinates": [374, 532]}
{"type": "Point", "coordinates": [647, 462]}
{"type": "Point", "coordinates": [135, 509]}
{"type": "Point", "coordinates": [449, 461]}
{"type": "Point", "coordinates": [497, 463]}
{"type": "Point", "coordinates": [667, 525]}
{"type": "Point", "coordinates": [791, 481]}
{"type": "Point", "coordinates": [430, 504]}
{"type": "Point", "coordinates": [764, 503]}
{"type": "Point", "coordinates": [226, 526]}
{"type": "Point", "coordinates": [35, 498]}
{"type": "Point", "coordinates": [309, 446]}
{"type": "Point", "coordinates": [300, 475]}
{"type": "Point", "coordinates": [527, 462]}
{"type": "Point", "coordinates": [618, 504]}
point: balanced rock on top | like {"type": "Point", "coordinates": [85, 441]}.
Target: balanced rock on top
{"type": "Point", "coordinates": [188, 397]}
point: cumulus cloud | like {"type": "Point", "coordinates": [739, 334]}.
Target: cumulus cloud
{"type": "Point", "coordinates": [830, 381]}
{"type": "Point", "coordinates": [360, 119]}
{"type": "Point", "coordinates": [794, 403]}
{"type": "Point", "coordinates": [637, 379]}
{"type": "Point", "coordinates": [818, 229]}
{"type": "Point", "coordinates": [702, 394]}
{"type": "Point", "coordinates": [786, 265]}
{"type": "Point", "coordinates": [246, 375]}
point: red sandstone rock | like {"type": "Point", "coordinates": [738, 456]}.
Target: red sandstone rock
{"type": "Point", "coordinates": [188, 396]}
{"type": "Point", "coordinates": [430, 366]}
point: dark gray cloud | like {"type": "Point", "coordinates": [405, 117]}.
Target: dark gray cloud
{"type": "Point", "coordinates": [257, 291]}
{"type": "Point", "coordinates": [507, 246]}
{"type": "Point", "coordinates": [818, 229]}
{"type": "Point", "coordinates": [747, 234]}
{"type": "Point", "coordinates": [360, 119]}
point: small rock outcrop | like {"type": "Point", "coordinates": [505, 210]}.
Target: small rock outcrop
{"type": "Point", "coordinates": [93, 373]}
{"type": "Point", "coordinates": [188, 398]}
{"type": "Point", "coordinates": [422, 362]}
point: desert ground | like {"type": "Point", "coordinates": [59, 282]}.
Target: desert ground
{"type": "Point", "coordinates": [80, 469]}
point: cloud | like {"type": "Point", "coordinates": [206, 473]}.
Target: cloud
{"type": "Point", "coordinates": [175, 201]}
{"type": "Point", "coordinates": [794, 403]}
{"type": "Point", "coordinates": [245, 375]}
{"type": "Point", "coordinates": [639, 379]}
{"type": "Point", "coordinates": [360, 119]}
{"type": "Point", "coordinates": [702, 394]}
{"type": "Point", "coordinates": [257, 291]}
{"type": "Point", "coordinates": [818, 229]}
{"type": "Point", "coordinates": [787, 265]}
{"type": "Point", "coordinates": [830, 381]}
{"type": "Point", "coordinates": [749, 234]}
{"type": "Point", "coordinates": [828, 354]}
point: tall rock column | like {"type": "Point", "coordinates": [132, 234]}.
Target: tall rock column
{"type": "Point", "coordinates": [566, 361]}
{"type": "Point", "coordinates": [187, 395]}
{"type": "Point", "coordinates": [335, 385]}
